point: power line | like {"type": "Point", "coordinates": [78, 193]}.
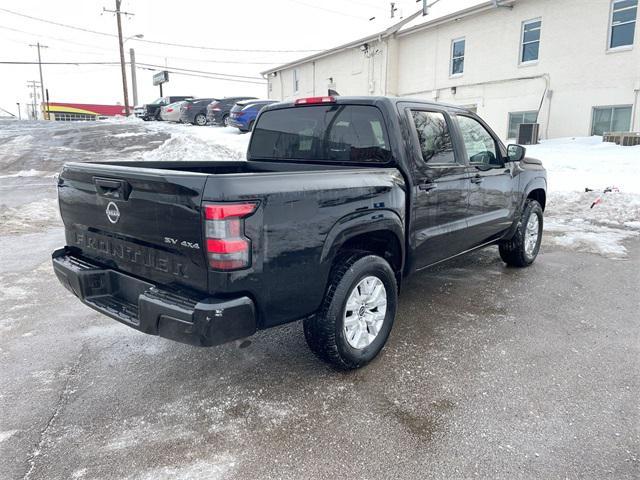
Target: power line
{"type": "Point", "coordinates": [109, 51]}
{"type": "Point", "coordinates": [310, 5]}
{"type": "Point", "coordinates": [156, 42]}
{"type": "Point", "coordinates": [153, 67]}
{"type": "Point", "coordinates": [199, 71]}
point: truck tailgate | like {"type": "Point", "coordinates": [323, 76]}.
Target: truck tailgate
{"type": "Point", "coordinates": [139, 220]}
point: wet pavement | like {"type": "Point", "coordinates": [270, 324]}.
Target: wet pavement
{"type": "Point", "coordinates": [490, 372]}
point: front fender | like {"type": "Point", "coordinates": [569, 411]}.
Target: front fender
{"type": "Point", "coordinates": [534, 184]}
{"type": "Point", "coordinates": [359, 223]}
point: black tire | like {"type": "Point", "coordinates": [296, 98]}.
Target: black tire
{"type": "Point", "coordinates": [513, 251]}
{"type": "Point", "coordinates": [200, 120]}
{"type": "Point", "coordinates": [225, 120]}
{"type": "Point", "coordinates": [324, 331]}
{"type": "Point", "coordinates": [251, 125]}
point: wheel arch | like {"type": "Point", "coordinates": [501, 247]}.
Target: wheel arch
{"type": "Point", "coordinates": [537, 190]}
{"type": "Point", "coordinates": [380, 233]}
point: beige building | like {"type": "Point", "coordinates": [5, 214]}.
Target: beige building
{"type": "Point", "coordinates": [572, 65]}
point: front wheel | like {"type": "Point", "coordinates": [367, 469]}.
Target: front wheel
{"type": "Point", "coordinates": [355, 319]}
{"type": "Point", "coordinates": [522, 249]}
{"type": "Point", "coordinates": [225, 120]}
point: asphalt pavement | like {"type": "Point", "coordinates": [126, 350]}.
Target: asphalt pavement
{"type": "Point", "coordinates": [490, 372]}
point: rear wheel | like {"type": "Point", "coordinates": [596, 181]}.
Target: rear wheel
{"type": "Point", "coordinates": [355, 319]}
{"type": "Point", "coordinates": [200, 120]}
{"type": "Point", "coordinates": [225, 120]}
{"type": "Point", "coordinates": [522, 249]}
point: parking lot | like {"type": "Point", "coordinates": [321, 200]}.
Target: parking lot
{"type": "Point", "coordinates": [490, 372]}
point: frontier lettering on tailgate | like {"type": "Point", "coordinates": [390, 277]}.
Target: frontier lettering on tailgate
{"type": "Point", "coordinates": [131, 253]}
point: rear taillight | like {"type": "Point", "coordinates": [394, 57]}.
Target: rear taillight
{"type": "Point", "coordinates": [169, 109]}
{"type": "Point", "coordinates": [238, 114]}
{"type": "Point", "coordinates": [227, 246]}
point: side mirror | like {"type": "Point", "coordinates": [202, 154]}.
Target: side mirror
{"type": "Point", "coordinates": [515, 153]}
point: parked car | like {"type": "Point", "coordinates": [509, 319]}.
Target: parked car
{"type": "Point", "coordinates": [244, 113]}
{"type": "Point", "coordinates": [195, 111]}
{"type": "Point", "coordinates": [138, 111]}
{"type": "Point", "coordinates": [171, 112]}
{"type": "Point", "coordinates": [340, 200]}
{"type": "Point", "coordinates": [218, 111]}
{"type": "Point", "coordinates": [151, 111]}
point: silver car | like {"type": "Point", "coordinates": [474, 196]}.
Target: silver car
{"type": "Point", "coordinates": [171, 112]}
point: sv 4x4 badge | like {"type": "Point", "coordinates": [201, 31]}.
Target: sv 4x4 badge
{"type": "Point", "coordinates": [183, 243]}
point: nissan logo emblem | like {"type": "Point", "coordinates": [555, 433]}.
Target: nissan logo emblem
{"type": "Point", "coordinates": [113, 212]}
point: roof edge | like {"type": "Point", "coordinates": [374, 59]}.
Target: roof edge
{"type": "Point", "coordinates": [394, 29]}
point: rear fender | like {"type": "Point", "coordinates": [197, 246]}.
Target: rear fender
{"type": "Point", "coordinates": [359, 223]}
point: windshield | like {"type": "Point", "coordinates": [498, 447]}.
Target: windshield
{"type": "Point", "coordinates": [159, 100]}
{"type": "Point", "coordinates": [334, 133]}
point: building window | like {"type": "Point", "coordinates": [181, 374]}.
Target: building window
{"type": "Point", "coordinates": [516, 118]}
{"type": "Point", "coordinates": [611, 119]}
{"type": "Point", "coordinates": [457, 56]}
{"type": "Point", "coordinates": [623, 23]}
{"type": "Point", "coordinates": [530, 46]}
{"type": "Point", "coordinates": [296, 80]}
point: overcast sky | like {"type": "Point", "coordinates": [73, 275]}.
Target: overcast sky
{"type": "Point", "coordinates": [236, 24]}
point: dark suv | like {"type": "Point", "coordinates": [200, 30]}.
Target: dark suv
{"type": "Point", "coordinates": [218, 110]}
{"type": "Point", "coordinates": [195, 111]}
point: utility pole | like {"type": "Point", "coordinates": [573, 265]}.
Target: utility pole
{"type": "Point", "coordinates": [134, 82]}
{"type": "Point", "coordinates": [19, 114]}
{"type": "Point", "coordinates": [123, 69]}
{"type": "Point", "coordinates": [41, 82]}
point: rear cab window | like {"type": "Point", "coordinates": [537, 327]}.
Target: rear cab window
{"type": "Point", "coordinates": [325, 133]}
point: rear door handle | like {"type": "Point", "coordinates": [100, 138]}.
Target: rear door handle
{"type": "Point", "coordinates": [477, 179]}
{"type": "Point", "coordinates": [426, 186]}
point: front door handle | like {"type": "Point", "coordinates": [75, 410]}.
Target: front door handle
{"type": "Point", "coordinates": [426, 186]}
{"type": "Point", "coordinates": [477, 179]}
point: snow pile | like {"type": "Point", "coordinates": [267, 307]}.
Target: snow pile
{"type": "Point", "coordinates": [26, 173]}
{"type": "Point", "coordinates": [574, 164]}
{"type": "Point", "coordinates": [191, 143]}
{"type": "Point", "coordinates": [577, 163]}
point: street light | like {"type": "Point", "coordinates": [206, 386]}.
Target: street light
{"type": "Point", "coordinates": [139, 35]}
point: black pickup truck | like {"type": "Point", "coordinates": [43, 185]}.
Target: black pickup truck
{"type": "Point", "coordinates": [339, 200]}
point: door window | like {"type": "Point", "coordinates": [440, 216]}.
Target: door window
{"type": "Point", "coordinates": [480, 145]}
{"type": "Point", "coordinates": [433, 136]}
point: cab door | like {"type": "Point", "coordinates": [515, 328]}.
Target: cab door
{"type": "Point", "coordinates": [440, 186]}
{"type": "Point", "coordinates": [492, 202]}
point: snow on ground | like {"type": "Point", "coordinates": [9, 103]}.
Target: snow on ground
{"type": "Point", "coordinates": [576, 164]}
{"type": "Point", "coordinates": [33, 216]}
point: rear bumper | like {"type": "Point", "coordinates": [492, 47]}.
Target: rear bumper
{"type": "Point", "coordinates": [200, 321]}
{"type": "Point", "coordinates": [215, 117]}
{"type": "Point", "coordinates": [236, 123]}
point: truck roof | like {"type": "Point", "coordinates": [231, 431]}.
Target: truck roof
{"type": "Point", "coordinates": [376, 99]}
